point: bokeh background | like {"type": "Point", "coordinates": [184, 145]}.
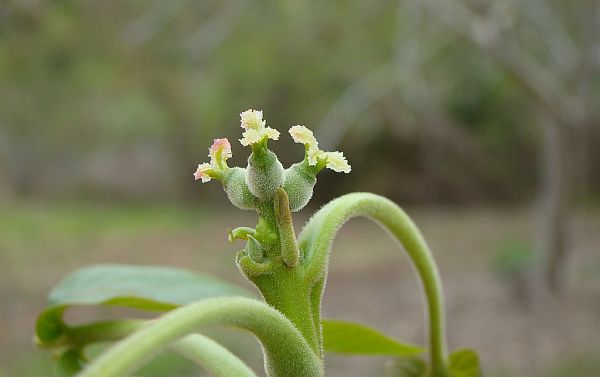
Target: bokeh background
{"type": "Point", "coordinates": [480, 117]}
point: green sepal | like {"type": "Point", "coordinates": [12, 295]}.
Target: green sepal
{"type": "Point", "coordinates": [358, 339]}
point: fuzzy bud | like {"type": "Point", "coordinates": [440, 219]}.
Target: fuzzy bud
{"type": "Point", "coordinates": [264, 173]}
{"type": "Point", "coordinates": [299, 183]}
{"type": "Point", "coordinates": [234, 184]}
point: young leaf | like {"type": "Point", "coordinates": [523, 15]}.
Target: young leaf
{"type": "Point", "coordinates": [464, 363]}
{"type": "Point", "coordinates": [357, 339]}
{"type": "Point", "coordinates": [142, 287]}
{"type": "Point", "coordinates": [406, 367]}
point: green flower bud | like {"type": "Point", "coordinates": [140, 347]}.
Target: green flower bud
{"type": "Point", "coordinates": [300, 180]}
{"type": "Point", "coordinates": [264, 173]}
{"type": "Point", "coordinates": [234, 184]}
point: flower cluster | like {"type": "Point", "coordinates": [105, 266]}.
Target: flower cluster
{"type": "Point", "coordinates": [264, 174]}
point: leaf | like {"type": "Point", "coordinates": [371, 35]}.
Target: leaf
{"type": "Point", "coordinates": [141, 287]}
{"type": "Point", "coordinates": [357, 339]}
{"type": "Point", "coordinates": [464, 363]}
{"type": "Point", "coordinates": [406, 367]}
{"type": "Point", "coordinates": [68, 363]}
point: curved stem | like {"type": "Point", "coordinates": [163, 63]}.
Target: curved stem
{"type": "Point", "coordinates": [212, 356]}
{"type": "Point", "coordinates": [200, 349]}
{"type": "Point", "coordinates": [287, 353]}
{"type": "Point", "coordinates": [317, 237]}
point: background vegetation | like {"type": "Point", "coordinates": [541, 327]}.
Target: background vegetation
{"type": "Point", "coordinates": [481, 116]}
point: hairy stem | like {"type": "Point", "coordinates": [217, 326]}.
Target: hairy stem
{"type": "Point", "coordinates": [200, 349]}
{"type": "Point", "coordinates": [212, 356]}
{"type": "Point", "coordinates": [287, 353]}
{"type": "Point", "coordinates": [318, 235]}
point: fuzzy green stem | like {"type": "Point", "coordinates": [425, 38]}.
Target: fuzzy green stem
{"type": "Point", "coordinates": [318, 235]}
{"type": "Point", "coordinates": [204, 351]}
{"type": "Point", "coordinates": [212, 356]}
{"type": "Point", "coordinates": [287, 353]}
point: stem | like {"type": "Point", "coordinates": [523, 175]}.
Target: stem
{"type": "Point", "coordinates": [200, 349]}
{"type": "Point", "coordinates": [286, 352]}
{"type": "Point", "coordinates": [317, 237]}
{"type": "Point", "coordinates": [215, 358]}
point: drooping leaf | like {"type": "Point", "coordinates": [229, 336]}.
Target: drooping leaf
{"type": "Point", "coordinates": [464, 363]}
{"type": "Point", "coordinates": [406, 367]}
{"type": "Point", "coordinates": [142, 287]}
{"type": "Point", "coordinates": [357, 339]}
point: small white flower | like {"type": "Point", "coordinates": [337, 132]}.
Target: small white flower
{"type": "Point", "coordinates": [337, 162]}
{"type": "Point", "coordinates": [202, 172]}
{"type": "Point", "coordinates": [303, 135]}
{"type": "Point", "coordinates": [255, 128]}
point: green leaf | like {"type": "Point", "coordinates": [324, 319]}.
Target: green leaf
{"type": "Point", "coordinates": [68, 363]}
{"type": "Point", "coordinates": [464, 363]}
{"type": "Point", "coordinates": [357, 339]}
{"type": "Point", "coordinates": [406, 367]}
{"type": "Point", "coordinates": [142, 287]}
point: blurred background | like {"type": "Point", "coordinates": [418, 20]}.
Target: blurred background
{"type": "Point", "coordinates": [479, 117]}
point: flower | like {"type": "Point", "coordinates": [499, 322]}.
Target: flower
{"type": "Point", "coordinates": [303, 135]}
{"type": "Point", "coordinates": [219, 151]}
{"type": "Point", "coordinates": [331, 160]}
{"type": "Point", "coordinates": [202, 172]}
{"type": "Point", "coordinates": [255, 128]}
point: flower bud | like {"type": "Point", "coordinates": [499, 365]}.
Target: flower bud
{"type": "Point", "coordinates": [234, 184]}
{"type": "Point", "coordinates": [299, 183]}
{"type": "Point", "coordinates": [264, 173]}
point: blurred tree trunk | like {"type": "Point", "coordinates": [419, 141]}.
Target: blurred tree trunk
{"type": "Point", "coordinates": [559, 88]}
{"type": "Point", "coordinates": [557, 186]}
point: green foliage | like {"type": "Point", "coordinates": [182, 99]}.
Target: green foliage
{"type": "Point", "coordinates": [464, 363]}
{"type": "Point", "coordinates": [406, 367]}
{"type": "Point", "coordinates": [141, 287]}
{"type": "Point", "coordinates": [513, 257]}
{"type": "Point", "coordinates": [357, 339]}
